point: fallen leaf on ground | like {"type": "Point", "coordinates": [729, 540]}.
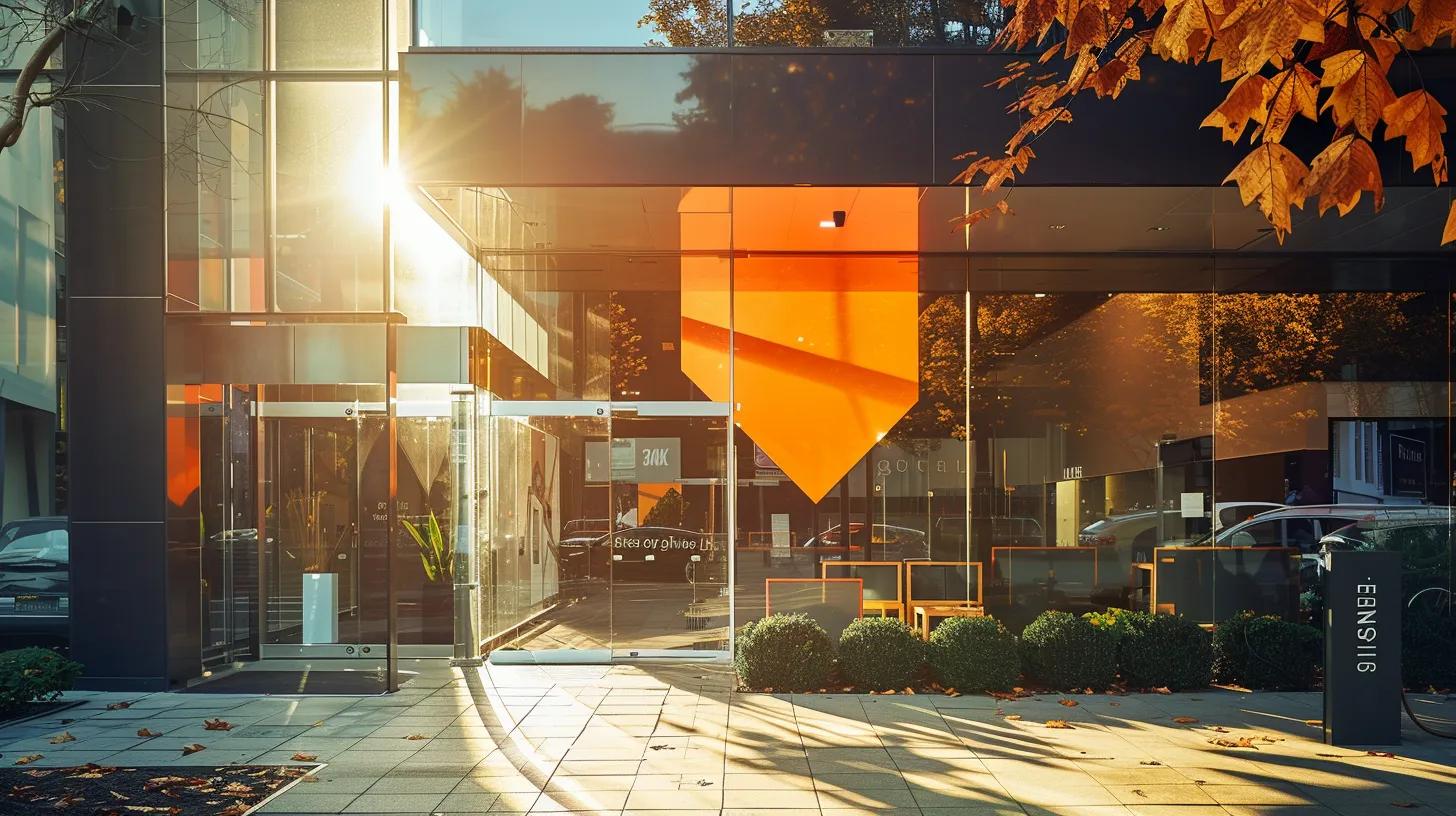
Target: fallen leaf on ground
{"type": "Point", "coordinates": [1149, 762]}
{"type": "Point", "coordinates": [1185, 720]}
{"type": "Point", "coordinates": [147, 733]}
{"type": "Point", "coordinates": [1140, 792]}
{"type": "Point", "coordinates": [118, 706]}
{"type": "Point", "coordinates": [217, 725]}
{"type": "Point", "coordinates": [1386, 754]}
{"type": "Point", "coordinates": [235, 809]}
{"type": "Point", "coordinates": [889, 691]}
{"type": "Point", "coordinates": [416, 737]}
{"type": "Point", "coordinates": [909, 690]}
{"type": "Point", "coordinates": [193, 748]}
{"type": "Point", "coordinates": [316, 724]}
{"type": "Point", "coordinates": [1218, 728]}
{"type": "Point", "coordinates": [29, 758]}
{"type": "Point", "coordinates": [1115, 704]}
{"type": "Point", "coordinates": [63, 737]}
{"type": "Point", "coordinates": [1315, 723]}
{"type": "Point", "coordinates": [1013, 717]}
{"type": "Point", "coordinates": [1404, 804]}
{"type": "Point", "coordinates": [1057, 724]}
{"type": "Point", "coordinates": [302, 757]}
{"type": "Point", "coordinates": [1068, 703]}
{"type": "Point", "coordinates": [1241, 742]}
{"type": "Point", "coordinates": [1162, 690]}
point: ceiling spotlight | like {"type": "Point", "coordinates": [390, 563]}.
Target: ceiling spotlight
{"type": "Point", "coordinates": [1157, 228]}
{"type": "Point", "coordinates": [840, 216]}
{"type": "Point", "coordinates": [1057, 226]}
{"type": "Point", "coordinates": [1040, 294]}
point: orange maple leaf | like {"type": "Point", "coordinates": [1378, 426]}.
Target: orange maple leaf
{"type": "Point", "coordinates": [1291, 92]}
{"type": "Point", "coordinates": [1449, 233]}
{"type": "Point", "coordinates": [1243, 104]}
{"type": "Point", "coordinates": [1184, 31]}
{"type": "Point", "coordinates": [1342, 172]}
{"type": "Point", "coordinates": [1273, 175]}
{"type": "Point", "coordinates": [1433, 18]}
{"type": "Point", "coordinates": [1421, 120]}
{"type": "Point", "coordinates": [1361, 90]}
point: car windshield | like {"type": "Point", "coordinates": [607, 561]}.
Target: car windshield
{"type": "Point", "coordinates": [51, 544]}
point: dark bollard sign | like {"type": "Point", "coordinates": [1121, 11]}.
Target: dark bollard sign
{"type": "Point", "coordinates": [1362, 648]}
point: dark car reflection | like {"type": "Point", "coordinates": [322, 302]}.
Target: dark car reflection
{"type": "Point", "coordinates": [889, 543]}
{"type": "Point", "coordinates": [35, 581]}
{"type": "Point", "coordinates": [589, 552]}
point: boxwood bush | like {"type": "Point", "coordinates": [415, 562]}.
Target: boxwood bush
{"type": "Point", "coordinates": [1164, 651]}
{"type": "Point", "coordinates": [974, 654]}
{"type": "Point", "coordinates": [33, 675]}
{"type": "Point", "coordinates": [1264, 652]}
{"type": "Point", "coordinates": [784, 653]}
{"type": "Point", "coordinates": [1063, 651]}
{"type": "Point", "coordinates": [880, 653]}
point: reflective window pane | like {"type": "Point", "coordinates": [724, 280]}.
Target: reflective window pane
{"type": "Point", "coordinates": [623, 23]}
{"type": "Point", "coordinates": [330, 189]}
{"type": "Point", "coordinates": [881, 24]}
{"type": "Point", "coordinates": [214, 35]}
{"type": "Point", "coordinates": [328, 34]}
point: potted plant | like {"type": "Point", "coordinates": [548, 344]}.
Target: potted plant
{"type": "Point", "coordinates": [317, 557]}
{"type": "Point", "coordinates": [435, 606]}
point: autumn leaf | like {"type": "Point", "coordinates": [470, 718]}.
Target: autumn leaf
{"type": "Point", "coordinates": [1245, 103]}
{"type": "Point", "coordinates": [1421, 120]}
{"type": "Point", "coordinates": [217, 725]}
{"type": "Point", "coordinates": [193, 748]}
{"type": "Point", "coordinates": [1185, 720]}
{"type": "Point", "coordinates": [1058, 724]}
{"type": "Point", "coordinates": [416, 737]}
{"type": "Point", "coordinates": [1341, 172]}
{"type": "Point", "coordinates": [1068, 703]}
{"type": "Point", "coordinates": [29, 758]}
{"type": "Point", "coordinates": [1361, 91]}
{"type": "Point", "coordinates": [1290, 93]}
{"type": "Point", "coordinates": [63, 737]}
{"type": "Point", "coordinates": [118, 706]}
{"type": "Point", "coordinates": [1449, 233]}
{"type": "Point", "coordinates": [1013, 717]}
{"type": "Point", "coordinates": [1184, 31]}
{"type": "Point", "coordinates": [147, 733]}
{"type": "Point", "coordinates": [302, 757]}
{"type": "Point", "coordinates": [235, 809]}
{"type": "Point", "coordinates": [1274, 176]}
{"type": "Point", "coordinates": [1225, 742]}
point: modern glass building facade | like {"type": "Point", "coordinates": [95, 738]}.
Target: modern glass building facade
{"type": "Point", "coordinates": [590, 331]}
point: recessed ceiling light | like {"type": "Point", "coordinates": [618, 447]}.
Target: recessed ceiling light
{"type": "Point", "coordinates": [1039, 294]}
{"type": "Point", "coordinates": [1157, 228]}
{"type": "Point", "coordinates": [1057, 226]}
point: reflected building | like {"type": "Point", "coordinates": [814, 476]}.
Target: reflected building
{"type": "Point", "coordinates": [459, 332]}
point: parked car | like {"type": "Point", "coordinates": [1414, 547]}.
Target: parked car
{"type": "Point", "coordinates": [1303, 526]}
{"type": "Point", "coordinates": [1227, 514]}
{"type": "Point", "coordinates": [1425, 547]}
{"type": "Point", "coordinates": [35, 581]}
{"type": "Point", "coordinates": [889, 543]}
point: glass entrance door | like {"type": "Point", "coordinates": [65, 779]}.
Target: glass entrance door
{"type": "Point", "coordinates": [605, 529]}
{"type": "Point", "coordinates": [669, 547]}
{"type": "Point", "coordinates": [227, 530]}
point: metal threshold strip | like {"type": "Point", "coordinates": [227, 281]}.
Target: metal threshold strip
{"type": "Point", "coordinates": [602, 657]}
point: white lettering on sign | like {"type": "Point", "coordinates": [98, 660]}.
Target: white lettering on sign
{"type": "Point", "coordinates": [655, 457]}
{"type": "Point", "coordinates": [1366, 628]}
{"type": "Point", "coordinates": [670, 542]}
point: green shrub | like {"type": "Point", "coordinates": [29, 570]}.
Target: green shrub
{"type": "Point", "coordinates": [34, 675]}
{"type": "Point", "coordinates": [1428, 650]}
{"type": "Point", "coordinates": [784, 653]}
{"type": "Point", "coordinates": [880, 653]}
{"type": "Point", "coordinates": [1063, 651]}
{"type": "Point", "coordinates": [1116, 622]}
{"type": "Point", "coordinates": [974, 654]}
{"type": "Point", "coordinates": [1164, 651]}
{"type": "Point", "coordinates": [1264, 652]}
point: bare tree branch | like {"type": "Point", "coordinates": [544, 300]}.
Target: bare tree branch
{"type": "Point", "coordinates": [22, 98]}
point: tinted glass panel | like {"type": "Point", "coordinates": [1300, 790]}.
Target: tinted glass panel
{"type": "Point", "coordinates": [881, 24]}
{"type": "Point", "coordinates": [330, 194]}
{"type": "Point", "coordinates": [566, 23]}
{"type": "Point", "coordinates": [215, 34]}
{"type": "Point", "coordinates": [329, 34]}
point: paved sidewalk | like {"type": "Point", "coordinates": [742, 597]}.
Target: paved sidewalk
{"type": "Point", "coordinates": [674, 739]}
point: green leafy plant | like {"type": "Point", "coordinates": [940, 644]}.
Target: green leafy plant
{"type": "Point", "coordinates": [783, 653]}
{"type": "Point", "coordinates": [1264, 652]}
{"type": "Point", "coordinates": [974, 654]}
{"type": "Point", "coordinates": [34, 675]}
{"type": "Point", "coordinates": [880, 653]}
{"type": "Point", "coordinates": [1164, 651]}
{"type": "Point", "coordinates": [1063, 651]}
{"type": "Point", "coordinates": [1116, 622]}
{"type": "Point", "coordinates": [437, 556]}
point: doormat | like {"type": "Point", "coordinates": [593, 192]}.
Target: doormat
{"type": "Point", "coordinates": [232, 790]}
{"type": "Point", "coordinates": [291, 682]}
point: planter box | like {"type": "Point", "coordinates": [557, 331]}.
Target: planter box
{"type": "Point", "coordinates": [321, 607]}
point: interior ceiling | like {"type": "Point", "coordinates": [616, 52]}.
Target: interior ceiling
{"type": "Point", "coordinates": [639, 222]}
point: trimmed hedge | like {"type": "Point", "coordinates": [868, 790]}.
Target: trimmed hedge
{"type": "Point", "coordinates": [784, 653]}
{"type": "Point", "coordinates": [1164, 651]}
{"type": "Point", "coordinates": [974, 654]}
{"type": "Point", "coordinates": [1264, 652]}
{"type": "Point", "coordinates": [880, 653]}
{"type": "Point", "coordinates": [34, 675]}
{"type": "Point", "coordinates": [1063, 651]}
